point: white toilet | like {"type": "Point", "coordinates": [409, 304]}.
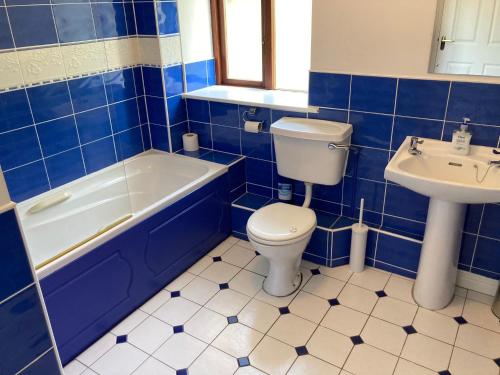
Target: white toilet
{"type": "Point", "coordinates": [313, 151]}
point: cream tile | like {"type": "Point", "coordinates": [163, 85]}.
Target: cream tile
{"type": "Point", "coordinates": [292, 330]}
{"type": "Point", "coordinates": [122, 359]}
{"type": "Point", "coordinates": [467, 363]}
{"type": "Point", "coordinates": [246, 244]}
{"type": "Point", "coordinates": [177, 311]}
{"type": "Point", "coordinates": [238, 256]}
{"type": "Point", "coordinates": [97, 349]}
{"type": "Point", "coordinates": [180, 351]}
{"type": "Point", "coordinates": [383, 335]}
{"type": "Point", "coordinates": [150, 334]}
{"type": "Point", "coordinates": [237, 340]}
{"type": "Point", "coordinates": [480, 314]}
{"type": "Point", "coordinates": [180, 282]}
{"type": "Point", "coordinates": [228, 302]}
{"type": "Point", "coordinates": [84, 58]}
{"type": "Point", "coordinates": [401, 288]}
{"type": "Point", "coordinates": [330, 346]}
{"type": "Point", "coordinates": [220, 272]}
{"type": "Point", "coordinates": [224, 246]}
{"type": "Point", "coordinates": [427, 352]}
{"type": "Point", "coordinates": [212, 359]}
{"type": "Point", "coordinates": [309, 307]}
{"type": "Point", "coordinates": [200, 290]}
{"type": "Point", "coordinates": [156, 301]}
{"type": "Point", "coordinates": [478, 340]}
{"type": "Point", "coordinates": [10, 71]}
{"type": "Point", "coordinates": [345, 320]}
{"type": "Point", "coordinates": [342, 273]}
{"type": "Point", "coordinates": [358, 298]}
{"type": "Point", "coordinates": [258, 315]}
{"type": "Point", "coordinates": [480, 297]}
{"type": "Point", "coordinates": [152, 366]}
{"type": "Point", "coordinates": [122, 52]}
{"type": "Point", "coordinates": [259, 265]}
{"type": "Point", "coordinates": [205, 325]}
{"type": "Point", "coordinates": [129, 323]}
{"type": "Point", "coordinates": [170, 49]}
{"type": "Point", "coordinates": [149, 51]}
{"type": "Point", "coordinates": [455, 307]}
{"type": "Point", "coordinates": [405, 367]}
{"type": "Point", "coordinates": [89, 372]}
{"type": "Point", "coordinates": [247, 282]}
{"type": "Point", "coordinates": [200, 266]}
{"type": "Point", "coordinates": [309, 365]}
{"type": "Point", "coordinates": [272, 356]}
{"type": "Point", "coordinates": [367, 360]}
{"type": "Point", "coordinates": [275, 301]}
{"type": "Point", "coordinates": [394, 311]}
{"type": "Point", "coordinates": [461, 292]}
{"type": "Point", "coordinates": [248, 370]}
{"type": "Point", "coordinates": [436, 325]}
{"type": "Point", "coordinates": [370, 278]}
{"type": "Point", "coordinates": [324, 286]}
{"type": "Point", "coordinates": [42, 64]}
{"type": "Point", "coordinates": [74, 368]}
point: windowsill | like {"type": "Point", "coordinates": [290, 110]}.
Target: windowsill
{"type": "Point", "coordinates": [274, 99]}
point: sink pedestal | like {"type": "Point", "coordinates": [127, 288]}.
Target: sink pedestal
{"type": "Point", "coordinates": [437, 270]}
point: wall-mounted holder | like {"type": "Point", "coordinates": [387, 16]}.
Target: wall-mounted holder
{"type": "Point", "coordinates": [251, 126]}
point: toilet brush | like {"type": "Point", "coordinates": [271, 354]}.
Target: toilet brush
{"type": "Point", "coordinates": [358, 242]}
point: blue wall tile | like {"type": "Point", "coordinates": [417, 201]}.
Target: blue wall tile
{"type": "Point", "coordinates": [109, 20]}
{"type": "Point", "coordinates": [27, 181]}
{"type": "Point", "coordinates": [143, 112]}
{"type": "Point", "coordinates": [176, 106]}
{"type": "Point", "coordinates": [239, 219]}
{"type": "Point", "coordinates": [467, 250]}
{"type": "Point", "coordinates": [130, 18]}
{"type": "Point", "coordinates": [93, 124]}
{"type": "Point", "coordinates": [176, 133]}
{"type": "Point", "coordinates": [373, 94]}
{"type": "Point", "coordinates": [99, 154]}
{"type": "Point", "coordinates": [406, 203]}
{"type": "Point", "coordinates": [14, 110]}
{"type": "Point", "coordinates": [58, 135]}
{"type": "Point", "coordinates": [129, 143]}
{"type": "Point", "coordinates": [330, 115]}
{"type": "Point", "coordinates": [156, 111]}
{"type": "Point", "coordinates": [487, 256]}
{"type": "Point", "coordinates": [168, 22]}
{"type": "Point", "coordinates": [119, 85]}
{"type": "Point", "coordinates": [124, 115]}
{"type": "Point", "coordinates": [152, 81]}
{"type": "Point", "coordinates": [256, 145]}
{"type": "Point", "coordinates": [173, 80]}
{"type": "Point", "coordinates": [226, 139]}
{"type": "Point", "coordinates": [145, 18]}
{"type": "Point", "coordinates": [50, 101]}
{"type": "Point", "coordinates": [259, 172]}
{"type": "Point", "coordinates": [372, 163]}
{"type": "Point", "coordinates": [224, 114]}
{"type": "Point", "coordinates": [139, 84]}
{"type": "Point", "coordinates": [19, 147]}
{"type": "Point", "coordinates": [196, 75]}
{"type": "Point", "coordinates": [146, 137]}
{"type": "Point", "coordinates": [481, 135]}
{"type": "Point", "coordinates": [318, 245]}
{"type": "Point", "coordinates": [198, 110]}
{"type": "Point", "coordinates": [32, 25]}
{"type": "Point", "coordinates": [45, 365]}
{"type": "Point", "coordinates": [87, 93]}
{"type": "Point", "coordinates": [422, 98]}
{"type": "Point", "coordinates": [277, 114]}
{"type": "Point", "coordinates": [74, 22]}
{"type": "Point", "coordinates": [329, 90]}
{"type": "Point", "coordinates": [371, 130]}
{"type": "Point", "coordinates": [490, 221]}
{"type": "Point", "coordinates": [5, 34]}
{"type": "Point", "coordinates": [159, 137]}
{"type": "Point", "coordinates": [204, 133]}
{"type": "Point", "coordinates": [65, 167]}
{"type": "Point", "coordinates": [398, 252]}
{"type": "Point", "coordinates": [211, 74]}
{"type": "Point", "coordinates": [404, 126]}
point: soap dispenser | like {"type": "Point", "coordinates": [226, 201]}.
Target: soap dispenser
{"type": "Point", "coordinates": [461, 139]}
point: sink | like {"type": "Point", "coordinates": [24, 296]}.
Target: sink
{"type": "Point", "coordinates": [451, 181]}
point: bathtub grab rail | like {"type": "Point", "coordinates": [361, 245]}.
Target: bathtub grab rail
{"type": "Point", "coordinates": [49, 202]}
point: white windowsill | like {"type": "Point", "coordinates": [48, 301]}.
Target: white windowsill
{"type": "Point", "coordinates": [274, 99]}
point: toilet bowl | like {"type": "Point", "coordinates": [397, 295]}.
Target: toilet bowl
{"type": "Point", "coordinates": [280, 232]}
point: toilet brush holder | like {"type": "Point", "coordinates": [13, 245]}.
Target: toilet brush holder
{"type": "Point", "coordinates": [359, 237]}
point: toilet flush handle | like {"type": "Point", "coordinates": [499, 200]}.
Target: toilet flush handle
{"type": "Point", "coordinates": [338, 146]}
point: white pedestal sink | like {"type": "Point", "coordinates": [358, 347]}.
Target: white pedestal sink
{"type": "Point", "coordinates": [451, 181]}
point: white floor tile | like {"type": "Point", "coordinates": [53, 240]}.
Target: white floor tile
{"type": "Point", "coordinates": [436, 325]}
{"type": "Point", "coordinates": [220, 272]}
{"type": "Point", "coordinates": [247, 282]}
{"type": "Point", "coordinates": [330, 346]}
{"type": "Point", "coordinates": [89, 372]}
{"type": "Point", "coordinates": [481, 315]}
{"type": "Point", "coordinates": [238, 256]}
{"type": "Point", "coordinates": [467, 363]}
{"type": "Point", "coordinates": [150, 334]}
{"type": "Point", "coordinates": [228, 302]}
{"type": "Point", "coordinates": [395, 311]}
{"type": "Point", "coordinates": [180, 282]}
{"type": "Point", "coordinates": [246, 244]}
{"type": "Point", "coordinates": [401, 288]}
{"type": "Point", "coordinates": [358, 298]}
{"type": "Point", "coordinates": [344, 320]}
{"type": "Point", "coordinates": [309, 306]}
{"type": "Point", "coordinates": [405, 367]}
{"type": "Point", "coordinates": [459, 291]}
{"type": "Point", "coordinates": [480, 297]}
{"type": "Point", "coordinates": [370, 278]}
{"type": "Point", "coordinates": [259, 315]}
{"type": "Point", "coordinates": [129, 323]}
{"type": "Point", "coordinates": [97, 349]}
{"type": "Point", "coordinates": [455, 308]}
{"type": "Point", "coordinates": [74, 368]}
{"type": "Point", "coordinates": [223, 247]}
{"type": "Point", "coordinates": [237, 340]}
{"type": "Point", "coordinates": [200, 265]}
{"type": "Point", "coordinates": [213, 361]}
{"type": "Point", "coordinates": [478, 340]}
{"type": "Point", "coordinates": [367, 360]}
{"type": "Point", "coordinates": [342, 273]}
{"type": "Point", "coordinates": [176, 311]}
{"type": "Point", "coordinates": [152, 366]}
{"type": "Point", "coordinates": [309, 365]}
{"type": "Point", "coordinates": [384, 335]}
{"type": "Point", "coordinates": [122, 359]}
{"type": "Point", "coordinates": [275, 301]}
{"type": "Point", "coordinates": [427, 352]}
{"type": "Point", "coordinates": [272, 356]}
{"type": "Point", "coordinates": [180, 351]}
{"type": "Point", "coordinates": [200, 290]}
{"type": "Point", "coordinates": [156, 301]}
{"type": "Point", "coordinates": [205, 325]}
{"type": "Point", "coordinates": [292, 330]}
{"type": "Point", "coordinates": [259, 265]}
{"type": "Point", "coordinates": [248, 370]}
{"type": "Point", "coordinates": [324, 286]}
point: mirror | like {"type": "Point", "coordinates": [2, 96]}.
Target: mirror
{"type": "Point", "coordinates": [466, 38]}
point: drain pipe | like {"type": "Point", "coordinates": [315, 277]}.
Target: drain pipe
{"type": "Point", "coordinates": [307, 198]}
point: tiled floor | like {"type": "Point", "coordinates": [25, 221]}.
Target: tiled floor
{"type": "Point", "coordinates": [215, 319]}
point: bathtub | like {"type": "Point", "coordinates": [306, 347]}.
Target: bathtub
{"type": "Point", "coordinates": [107, 242]}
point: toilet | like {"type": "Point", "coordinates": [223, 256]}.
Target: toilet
{"type": "Point", "coordinates": [308, 150]}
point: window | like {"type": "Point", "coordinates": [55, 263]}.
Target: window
{"type": "Point", "coordinates": [262, 43]}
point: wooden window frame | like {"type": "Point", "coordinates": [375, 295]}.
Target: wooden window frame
{"type": "Point", "coordinates": [220, 53]}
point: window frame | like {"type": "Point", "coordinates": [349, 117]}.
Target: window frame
{"type": "Point", "coordinates": [220, 50]}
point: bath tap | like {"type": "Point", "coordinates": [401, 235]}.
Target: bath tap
{"type": "Point", "coordinates": [414, 142]}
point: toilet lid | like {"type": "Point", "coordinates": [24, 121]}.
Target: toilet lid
{"type": "Point", "coordinates": [281, 222]}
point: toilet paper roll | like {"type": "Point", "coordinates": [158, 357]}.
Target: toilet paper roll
{"type": "Point", "coordinates": [190, 142]}
{"type": "Point", "coordinates": [253, 126]}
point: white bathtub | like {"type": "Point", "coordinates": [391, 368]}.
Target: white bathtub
{"type": "Point", "coordinates": [129, 192]}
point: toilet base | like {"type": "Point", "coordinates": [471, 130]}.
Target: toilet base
{"type": "Point", "coordinates": [279, 288]}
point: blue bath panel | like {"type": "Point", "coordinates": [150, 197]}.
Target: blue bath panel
{"type": "Point", "coordinates": [89, 296]}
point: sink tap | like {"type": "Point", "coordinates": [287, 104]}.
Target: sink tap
{"type": "Point", "coordinates": [494, 162]}
{"type": "Point", "coordinates": [414, 142]}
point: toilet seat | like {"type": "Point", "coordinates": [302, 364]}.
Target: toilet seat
{"type": "Point", "coordinates": [281, 224]}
